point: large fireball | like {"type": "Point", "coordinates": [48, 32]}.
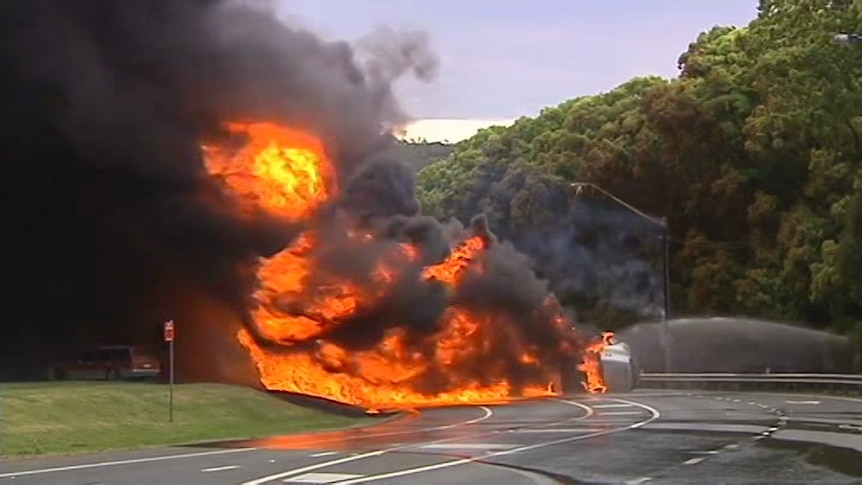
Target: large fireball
{"type": "Point", "coordinates": [300, 302]}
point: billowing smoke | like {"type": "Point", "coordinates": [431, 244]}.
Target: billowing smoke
{"type": "Point", "coordinates": [116, 224]}
{"type": "Point", "coordinates": [103, 106]}
{"type": "Point", "coordinates": [599, 256]}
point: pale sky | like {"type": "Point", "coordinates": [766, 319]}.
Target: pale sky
{"type": "Point", "coordinates": [502, 59]}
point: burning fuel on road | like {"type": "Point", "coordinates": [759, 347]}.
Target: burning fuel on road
{"type": "Point", "coordinates": [206, 147]}
{"type": "Point", "coordinates": [395, 332]}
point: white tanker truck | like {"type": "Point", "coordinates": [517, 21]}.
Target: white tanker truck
{"type": "Point", "coordinates": [620, 369]}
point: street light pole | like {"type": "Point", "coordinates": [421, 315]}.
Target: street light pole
{"type": "Point", "coordinates": [663, 224]}
{"type": "Point", "coordinates": [666, 286]}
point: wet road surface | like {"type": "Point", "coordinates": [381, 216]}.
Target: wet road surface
{"type": "Point", "coordinates": [644, 437]}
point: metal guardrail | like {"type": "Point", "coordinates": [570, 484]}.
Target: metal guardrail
{"type": "Point", "coordinates": [836, 383]}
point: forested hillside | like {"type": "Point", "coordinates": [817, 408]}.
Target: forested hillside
{"type": "Point", "coordinates": [752, 153]}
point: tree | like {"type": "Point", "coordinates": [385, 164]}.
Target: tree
{"type": "Point", "coordinates": [753, 154]}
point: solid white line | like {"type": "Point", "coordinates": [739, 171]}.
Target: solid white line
{"type": "Point", "coordinates": [486, 413]}
{"type": "Point", "coordinates": [120, 462]}
{"type": "Point", "coordinates": [621, 413]}
{"type": "Point", "coordinates": [603, 406]}
{"type": "Point", "coordinates": [693, 461]}
{"type": "Point", "coordinates": [219, 468]}
{"type": "Point", "coordinates": [588, 410]}
{"type": "Point", "coordinates": [655, 414]}
{"type": "Point", "coordinates": [323, 453]}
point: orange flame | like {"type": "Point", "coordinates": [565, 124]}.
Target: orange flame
{"type": "Point", "coordinates": [279, 170]}
{"type": "Point", "coordinates": [286, 173]}
{"type": "Point", "coordinates": [592, 364]}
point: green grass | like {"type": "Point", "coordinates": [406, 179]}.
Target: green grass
{"type": "Point", "coordinates": [75, 417]}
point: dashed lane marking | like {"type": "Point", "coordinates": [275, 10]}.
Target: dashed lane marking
{"type": "Point", "coordinates": [321, 478]}
{"type": "Point", "coordinates": [621, 413]}
{"type": "Point", "coordinates": [101, 464]}
{"type": "Point", "coordinates": [638, 481]}
{"type": "Point", "coordinates": [604, 406]}
{"type": "Point", "coordinates": [323, 453]}
{"type": "Point", "coordinates": [220, 468]}
{"type": "Point", "coordinates": [467, 446]}
{"type": "Point", "coordinates": [556, 430]}
{"type": "Point", "coordinates": [693, 461]}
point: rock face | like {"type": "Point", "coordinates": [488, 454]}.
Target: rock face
{"type": "Point", "coordinates": [738, 345]}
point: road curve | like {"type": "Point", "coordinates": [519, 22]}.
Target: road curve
{"type": "Point", "coordinates": [643, 437]}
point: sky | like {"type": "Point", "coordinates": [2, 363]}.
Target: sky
{"type": "Point", "coordinates": [503, 59]}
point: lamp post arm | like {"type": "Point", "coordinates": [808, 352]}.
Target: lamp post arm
{"type": "Point", "coordinates": [655, 220]}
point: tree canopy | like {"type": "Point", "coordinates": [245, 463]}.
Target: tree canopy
{"type": "Point", "coordinates": [752, 154]}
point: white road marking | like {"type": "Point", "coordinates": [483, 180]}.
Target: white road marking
{"type": "Point", "coordinates": [487, 413]}
{"type": "Point", "coordinates": [360, 456]}
{"type": "Point", "coordinates": [323, 453]}
{"type": "Point", "coordinates": [603, 406]}
{"type": "Point", "coordinates": [219, 468]}
{"type": "Point", "coordinates": [731, 446]}
{"type": "Point", "coordinates": [556, 430]}
{"type": "Point", "coordinates": [467, 446]}
{"type": "Point", "coordinates": [706, 452]}
{"type": "Point", "coordinates": [693, 461]}
{"type": "Point", "coordinates": [654, 414]}
{"type": "Point", "coordinates": [802, 402]}
{"type": "Point", "coordinates": [621, 413]}
{"type": "Point", "coordinates": [321, 478]}
{"type": "Point", "coordinates": [638, 481]}
{"type": "Point", "coordinates": [588, 410]}
{"type": "Point", "coordinates": [100, 464]}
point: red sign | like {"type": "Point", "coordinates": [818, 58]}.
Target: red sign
{"type": "Point", "coordinates": [169, 331]}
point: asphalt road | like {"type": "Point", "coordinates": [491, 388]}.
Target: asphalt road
{"type": "Point", "coordinates": [644, 437]}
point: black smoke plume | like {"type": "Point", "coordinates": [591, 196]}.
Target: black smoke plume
{"type": "Point", "coordinates": [115, 225]}
{"type": "Point", "coordinates": [103, 106]}
{"type": "Point", "coordinates": [600, 260]}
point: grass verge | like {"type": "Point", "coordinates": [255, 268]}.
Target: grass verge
{"type": "Point", "coordinates": [70, 417]}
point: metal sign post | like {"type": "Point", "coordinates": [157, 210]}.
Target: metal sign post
{"type": "Point", "coordinates": [169, 338]}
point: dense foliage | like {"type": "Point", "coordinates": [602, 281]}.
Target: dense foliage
{"type": "Point", "coordinates": [753, 155]}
